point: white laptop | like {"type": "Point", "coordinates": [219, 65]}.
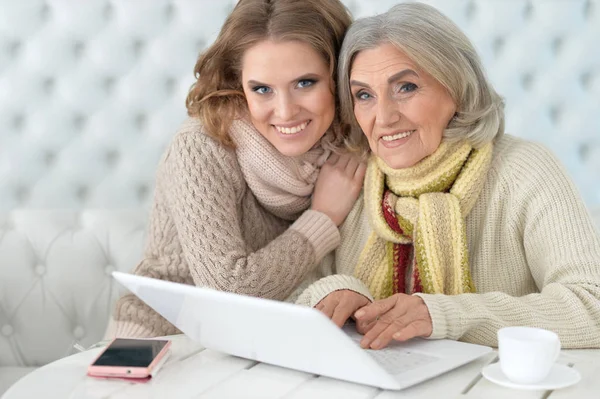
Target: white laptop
{"type": "Point", "coordinates": [294, 336]}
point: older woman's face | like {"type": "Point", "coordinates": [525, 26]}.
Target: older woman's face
{"type": "Point", "coordinates": [401, 109]}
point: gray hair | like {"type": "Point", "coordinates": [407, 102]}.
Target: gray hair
{"type": "Point", "coordinates": [440, 48]}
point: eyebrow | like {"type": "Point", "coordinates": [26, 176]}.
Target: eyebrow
{"type": "Point", "coordinates": [314, 76]}
{"type": "Point", "coordinates": [391, 79]}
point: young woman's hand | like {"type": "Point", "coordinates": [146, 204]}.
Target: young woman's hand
{"type": "Point", "coordinates": [338, 186]}
{"type": "Point", "coordinates": [340, 305]}
{"type": "Point", "coordinates": [399, 317]}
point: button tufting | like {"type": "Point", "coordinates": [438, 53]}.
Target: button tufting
{"type": "Point", "coordinates": [557, 45]}
{"type": "Point", "coordinates": [7, 330]}
{"type": "Point", "coordinates": [584, 151]}
{"type": "Point", "coordinates": [14, 48]}
{"type": "Point", "coordinates": [40, 270]}
{"type": "Point", "coordinates": [78, 48]}
{"type": "Point", "coordinates": [528, 11]}
{"type": "Point", "coordinates": [18, 121]}
{"type": "Point", "coordinates": [109, 84]}
{"type": "Point", "coordinates": [78, 332]}
{"type": "Point", "coordinates": [586, 79]}
{"type": "Point", "coordinates": [527, 81]}
{"type": "Point", "coordinates": [108, 12]}
{"type": "Point", "coordinates": [140, 120]}
{"type": "Point", "coordinates": [199, 44]}
{"type": "Point", "coordinates": [48, 84]}
{"type": "Point", "coordinates": [470, 10]}
{"type": "Point", "coordinates": [78, 121]}
{"type": "Point", "coordinates": [170, 84]}
{"type": "Point", "coordinates": [142, 192]}
{"type": "Point", "coordinates": [555, 114]}
{"type": "Point", "coordinates": [49, 158]}
{"type": "Point", "coordinates": [498, 45]}
{"type": "Point", "coordinates": [169, 12]}
{"type": "Point", "coordinates": [138, 47]}
{"type": "Point", "coordinates": [111, 157]}
{"type": "Point", "coordinates": [529, 46]}
{"type": "Point", "coordinates": [45, 12]}
{"type": "Point", "coordinates": [82, 192]}
{"type": "Point", "coordinates": [21, 193]}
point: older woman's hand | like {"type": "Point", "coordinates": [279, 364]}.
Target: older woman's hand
{"type": "Point", "coordinates": [340, 305]}
{"type": "Point", "coordinates": [399, 317]}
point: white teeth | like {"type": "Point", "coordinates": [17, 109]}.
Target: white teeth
{"type": "Point", "coordinates": [397, 136]}
{"type": "Point", "coordinates": [291, 130]}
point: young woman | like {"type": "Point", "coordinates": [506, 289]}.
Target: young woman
{"type": "Point", "coordinates": [248, 193]}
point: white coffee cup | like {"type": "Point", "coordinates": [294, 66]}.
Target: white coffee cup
{"type": "Point", "coordinates": [527, 354]}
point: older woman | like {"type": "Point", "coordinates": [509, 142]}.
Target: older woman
{"type": "Point", "coordinates": [463, 230]}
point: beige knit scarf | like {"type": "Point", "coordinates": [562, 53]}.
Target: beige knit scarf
{"type": "Point", "coordinates": [282, 184]}
{"type": "Point", "coordinates": [418, 216]}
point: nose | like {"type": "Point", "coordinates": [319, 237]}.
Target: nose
{"type": "Point", "coordinates": [388, 112]}
{"type": "Point", "coordinates": [286, 107]}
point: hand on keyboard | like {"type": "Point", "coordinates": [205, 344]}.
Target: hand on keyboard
{"type": "Point", "coordinates": [399, 317]}
{"type": "Point", "coordinates": [340, 305]}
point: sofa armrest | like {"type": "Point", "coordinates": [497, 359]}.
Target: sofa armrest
{"type": "Point", "coordinates": [56, 287]}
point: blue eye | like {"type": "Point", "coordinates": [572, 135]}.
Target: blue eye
{"type": "Point", "coordinates": [261, 89]}
{"type": "Point", "coordinates": [408, 87]}
{"type": "Point", "coordinates": [306, 83]}
{"type": "Point", "coordinates": [362, 96]}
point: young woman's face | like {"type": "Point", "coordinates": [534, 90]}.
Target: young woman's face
{"type": "Point", "coordinates": [289, 93]}
{"type": "Point", "coordinates": [401, 109]}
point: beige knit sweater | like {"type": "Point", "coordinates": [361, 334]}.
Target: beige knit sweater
{"type": "Point", "coordinates": [208, 229]}
{"type": "Point", "coordinates": [533, 249]}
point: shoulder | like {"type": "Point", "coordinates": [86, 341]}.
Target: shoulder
{"type": "Point", "coordinates": [523, 160]}
{"type": "Point", "coordinates": [528, 169]}
{"type": "Point", "coordinates": [515, 151]}
{"type": "Point", "coordinates": [191, 139]}
{"type": "Point", "coordinates": [193, 152]}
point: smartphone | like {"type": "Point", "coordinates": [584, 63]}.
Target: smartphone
{"type": "Point", "coordinates": [130, 358]}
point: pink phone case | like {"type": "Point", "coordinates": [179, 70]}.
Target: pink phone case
{"type": "Point", "coordinates": [140, 374]}
{"type": "Point", "coordinates": [132, 380]}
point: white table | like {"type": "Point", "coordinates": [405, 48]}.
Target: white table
{"type": "Point", "coordinates": [194, 372]}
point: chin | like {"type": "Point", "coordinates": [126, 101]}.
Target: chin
{"type": "Point", "coordinates": [289, 151]}
{"type": "Point", "coordinates": [397, 163]}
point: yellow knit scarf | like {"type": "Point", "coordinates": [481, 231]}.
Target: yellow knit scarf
{"type": "Point", "coordinates": [418, 216]}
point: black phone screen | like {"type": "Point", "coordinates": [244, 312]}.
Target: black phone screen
{"type": "Point", "coordinates": [130, 353]}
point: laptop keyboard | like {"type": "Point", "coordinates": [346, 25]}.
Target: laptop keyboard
{"type": "Point", "coordinates": [393, 359]}
{"type": "Point", "coordinates": [396, 362]}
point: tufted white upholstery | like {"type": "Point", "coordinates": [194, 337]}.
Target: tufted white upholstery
{"type": "Point", "coordinates": [90, 94]}
{"type": "Point", "coordinates": [55, 283]}
{"type": "Point", "coordinates": [92, 91]}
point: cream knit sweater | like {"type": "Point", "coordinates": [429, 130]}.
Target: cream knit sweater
{"type": "Point", "coordinates": [208, 229]}
{"type": "Point", "coordinates": [533, 249]}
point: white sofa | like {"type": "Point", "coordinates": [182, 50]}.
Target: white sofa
{"type": "Point", "coordinates": [91, 92]}
{"type": "Point", "coordinates": [55, 283]}
{"type": "Point", "coordinates": [57, 290]}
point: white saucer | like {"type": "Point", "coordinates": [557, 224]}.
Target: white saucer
{"type": "Point", "coordinates": [560, 376]}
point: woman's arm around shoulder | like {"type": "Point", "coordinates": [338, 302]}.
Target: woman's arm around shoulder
{"type": "Point", "coordinates": [203, 186]}
{"type": "Point", "coordinates": [338, 273]}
